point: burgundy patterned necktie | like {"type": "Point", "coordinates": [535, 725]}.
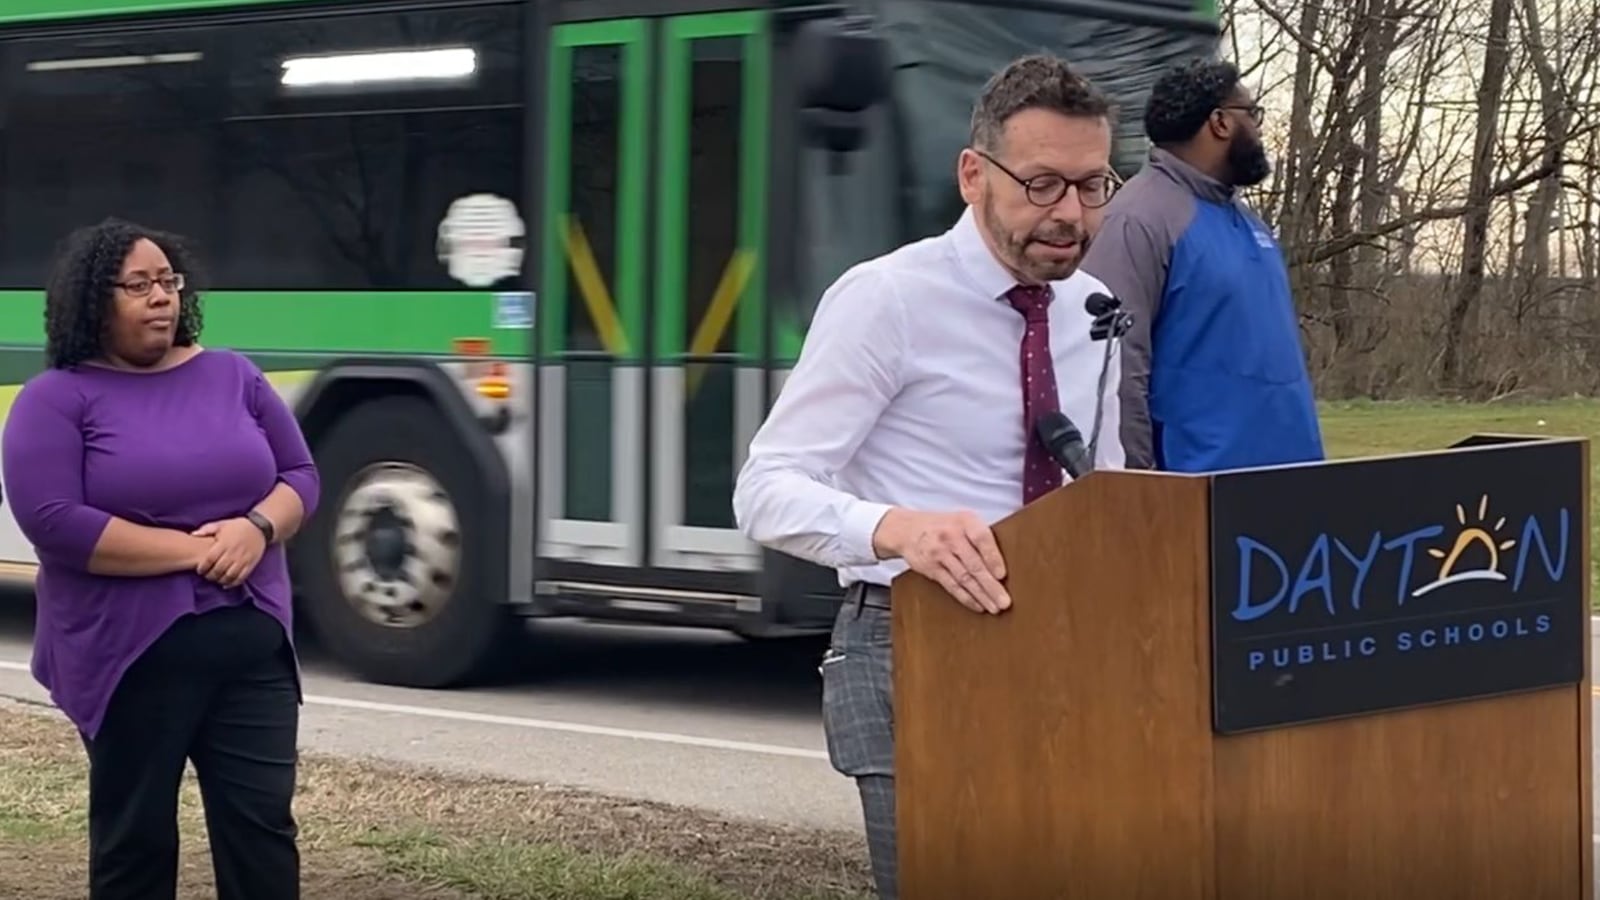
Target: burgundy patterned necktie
{"type": "Point", "coordinates": [1040, 474]}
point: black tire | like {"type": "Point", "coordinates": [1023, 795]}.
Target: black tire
{"type": "Point", "coordinates": [469, 636]}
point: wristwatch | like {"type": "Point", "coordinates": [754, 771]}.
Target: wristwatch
{"type": "Point", "coordinates": [263, 523]}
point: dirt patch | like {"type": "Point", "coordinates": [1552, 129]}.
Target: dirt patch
{"type": "Point", "coordinates": [382, 832]}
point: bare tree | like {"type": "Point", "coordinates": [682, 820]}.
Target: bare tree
{"type": "Point", "coordinates": [1436, 172]}
{"type": "Point", "coordinates": [1495, 59]}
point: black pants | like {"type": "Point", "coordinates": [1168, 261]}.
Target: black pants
{"type": "Point", "coordinates": [220, 690]}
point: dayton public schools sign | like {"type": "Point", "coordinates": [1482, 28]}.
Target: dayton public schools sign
{"type": "Point", "coordinates": [1356, 587]}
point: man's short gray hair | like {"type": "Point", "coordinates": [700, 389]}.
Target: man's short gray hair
{"type": "Point", "coordinates": [1037, 81]}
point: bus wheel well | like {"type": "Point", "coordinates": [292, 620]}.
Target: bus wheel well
{"type": "Point", "coordinates": [345, 394]}
{"type": "Point", "coordinates": [346, 384]}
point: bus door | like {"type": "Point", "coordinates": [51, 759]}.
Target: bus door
{"type": "Point", "coordinates": [652, 307]}
{"type": "Point", "coordinates": [708, 286]}
{"type": "Point", "coordinates": [592, 338]}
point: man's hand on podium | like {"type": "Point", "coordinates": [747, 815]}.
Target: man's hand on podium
{"type": "Point", "coordinates": [955, 549]}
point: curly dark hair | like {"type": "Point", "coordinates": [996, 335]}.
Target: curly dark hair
{"type": "Point", "coordinates": [78, 297]}
{"type": "Point", "coordinates": [1037, 81]}
{"type": "Point", "coordinates": [1184, 97]}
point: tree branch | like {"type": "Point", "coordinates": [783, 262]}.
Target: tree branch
{"type": "Point", "coordinates": [1306, 42]}
{"type": "Point", "coordinates": [1330, 249]}
{"type": "Point", "coordinates": [1326, 251]}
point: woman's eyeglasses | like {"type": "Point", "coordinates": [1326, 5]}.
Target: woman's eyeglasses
{"type": "Point", "coordinates": [141, 286]}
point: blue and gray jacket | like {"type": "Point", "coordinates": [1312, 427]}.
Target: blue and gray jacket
{"type": "Point", "coordinates": [1213, 372]}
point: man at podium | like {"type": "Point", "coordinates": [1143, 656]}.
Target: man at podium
{"type": "Point", "coordinates": [908, 423]}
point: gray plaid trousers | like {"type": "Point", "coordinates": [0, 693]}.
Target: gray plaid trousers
{"type": "Point", "coordinates": [858, 721]}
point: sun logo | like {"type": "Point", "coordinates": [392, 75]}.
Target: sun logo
{"type": "Point", "coordinates": [1469, 535]}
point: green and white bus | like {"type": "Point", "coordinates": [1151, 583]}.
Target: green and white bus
{"type": "Point", "coordinates": [529, 271]}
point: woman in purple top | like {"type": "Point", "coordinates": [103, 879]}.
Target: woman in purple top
{"type": "Point", "coordinates": [157, 481]}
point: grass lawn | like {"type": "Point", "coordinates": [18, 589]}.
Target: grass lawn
{"type": "Point", "coordinates": [371, 832]}
{"type": "Point", "coordinates": [1365, 429]}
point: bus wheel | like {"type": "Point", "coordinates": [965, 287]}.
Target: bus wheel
{"type": "Point", "coordinates": [393, 564]}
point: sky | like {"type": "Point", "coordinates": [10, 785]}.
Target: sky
{"type": "Point", "coordinates": [1438, 170]}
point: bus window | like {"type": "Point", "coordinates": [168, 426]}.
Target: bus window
{"type": "Point", "coordinates": [212, 125]}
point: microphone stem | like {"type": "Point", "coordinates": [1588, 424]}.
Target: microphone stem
{"type": "Point", "coordinates": [1100, 395]}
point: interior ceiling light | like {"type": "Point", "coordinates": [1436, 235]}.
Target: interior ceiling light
{"type": "Point", "coordinates": [365, 68]}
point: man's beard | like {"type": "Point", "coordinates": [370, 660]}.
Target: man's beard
{"type": "Point", "coordinates": [1247, 162]}
{"type": "Point", "coordinates": [1015, 249]}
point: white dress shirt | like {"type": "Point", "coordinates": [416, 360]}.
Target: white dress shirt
{"type": "Point", "coordinates": [908, 392]}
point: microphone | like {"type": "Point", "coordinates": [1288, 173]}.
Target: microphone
{"type": "Point", "coordinates": [1059, 436]}
{"type": "Point", "coordinates": [1099, 304]}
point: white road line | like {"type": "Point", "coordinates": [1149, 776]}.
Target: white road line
{"type": "Point", "coordinates": [660, 737]}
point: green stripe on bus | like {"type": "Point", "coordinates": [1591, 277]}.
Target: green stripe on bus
{"type": "Point", "coordinates": [278, 379]}
{"type": "Point", "coordinates": [21, 362]}
{"type": "Point", "coordinates": [788, 339]}
{"type": "Point", "coordinates": [44, 10]}
{"type": "Point", "coordinates": [319, 322]}
{"type": "Point", "coordinates": [18, 364]}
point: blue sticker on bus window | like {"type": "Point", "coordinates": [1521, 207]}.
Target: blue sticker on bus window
{"type": "Point", "coordinates": [513, 310]}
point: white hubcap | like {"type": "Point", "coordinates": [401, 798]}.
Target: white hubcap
{"type": "Point", "coordinates": [397, 545]}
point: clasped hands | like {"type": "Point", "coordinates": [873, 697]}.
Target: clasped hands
{"type": "Point", "coordinates": [236, 547]}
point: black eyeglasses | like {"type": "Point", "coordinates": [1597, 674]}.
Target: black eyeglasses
{"type": "Point", "coordinates": [1047, 188]}
{"type": "Point", "coordinates": [1254, 110]}
{"type": "Point", "coordinates": [140, 286]}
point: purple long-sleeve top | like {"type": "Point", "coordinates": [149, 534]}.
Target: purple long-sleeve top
{"type": "Point", "coordinates": [204, 440]}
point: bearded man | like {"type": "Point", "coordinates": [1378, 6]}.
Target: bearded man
{"type": "Point", "coordinates": [1214, 376]}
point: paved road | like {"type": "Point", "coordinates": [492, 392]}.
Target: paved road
{"type": "Point", "coordinates": [663, 714]}
{"type": "Point", "coordinates": [678, 716]}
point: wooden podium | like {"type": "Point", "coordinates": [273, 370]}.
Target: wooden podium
{"type": "Point", "coordinates": [1364, 680]}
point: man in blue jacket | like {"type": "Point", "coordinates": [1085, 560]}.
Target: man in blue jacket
{"type": "Point", "coordinates": [1213, 372]}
